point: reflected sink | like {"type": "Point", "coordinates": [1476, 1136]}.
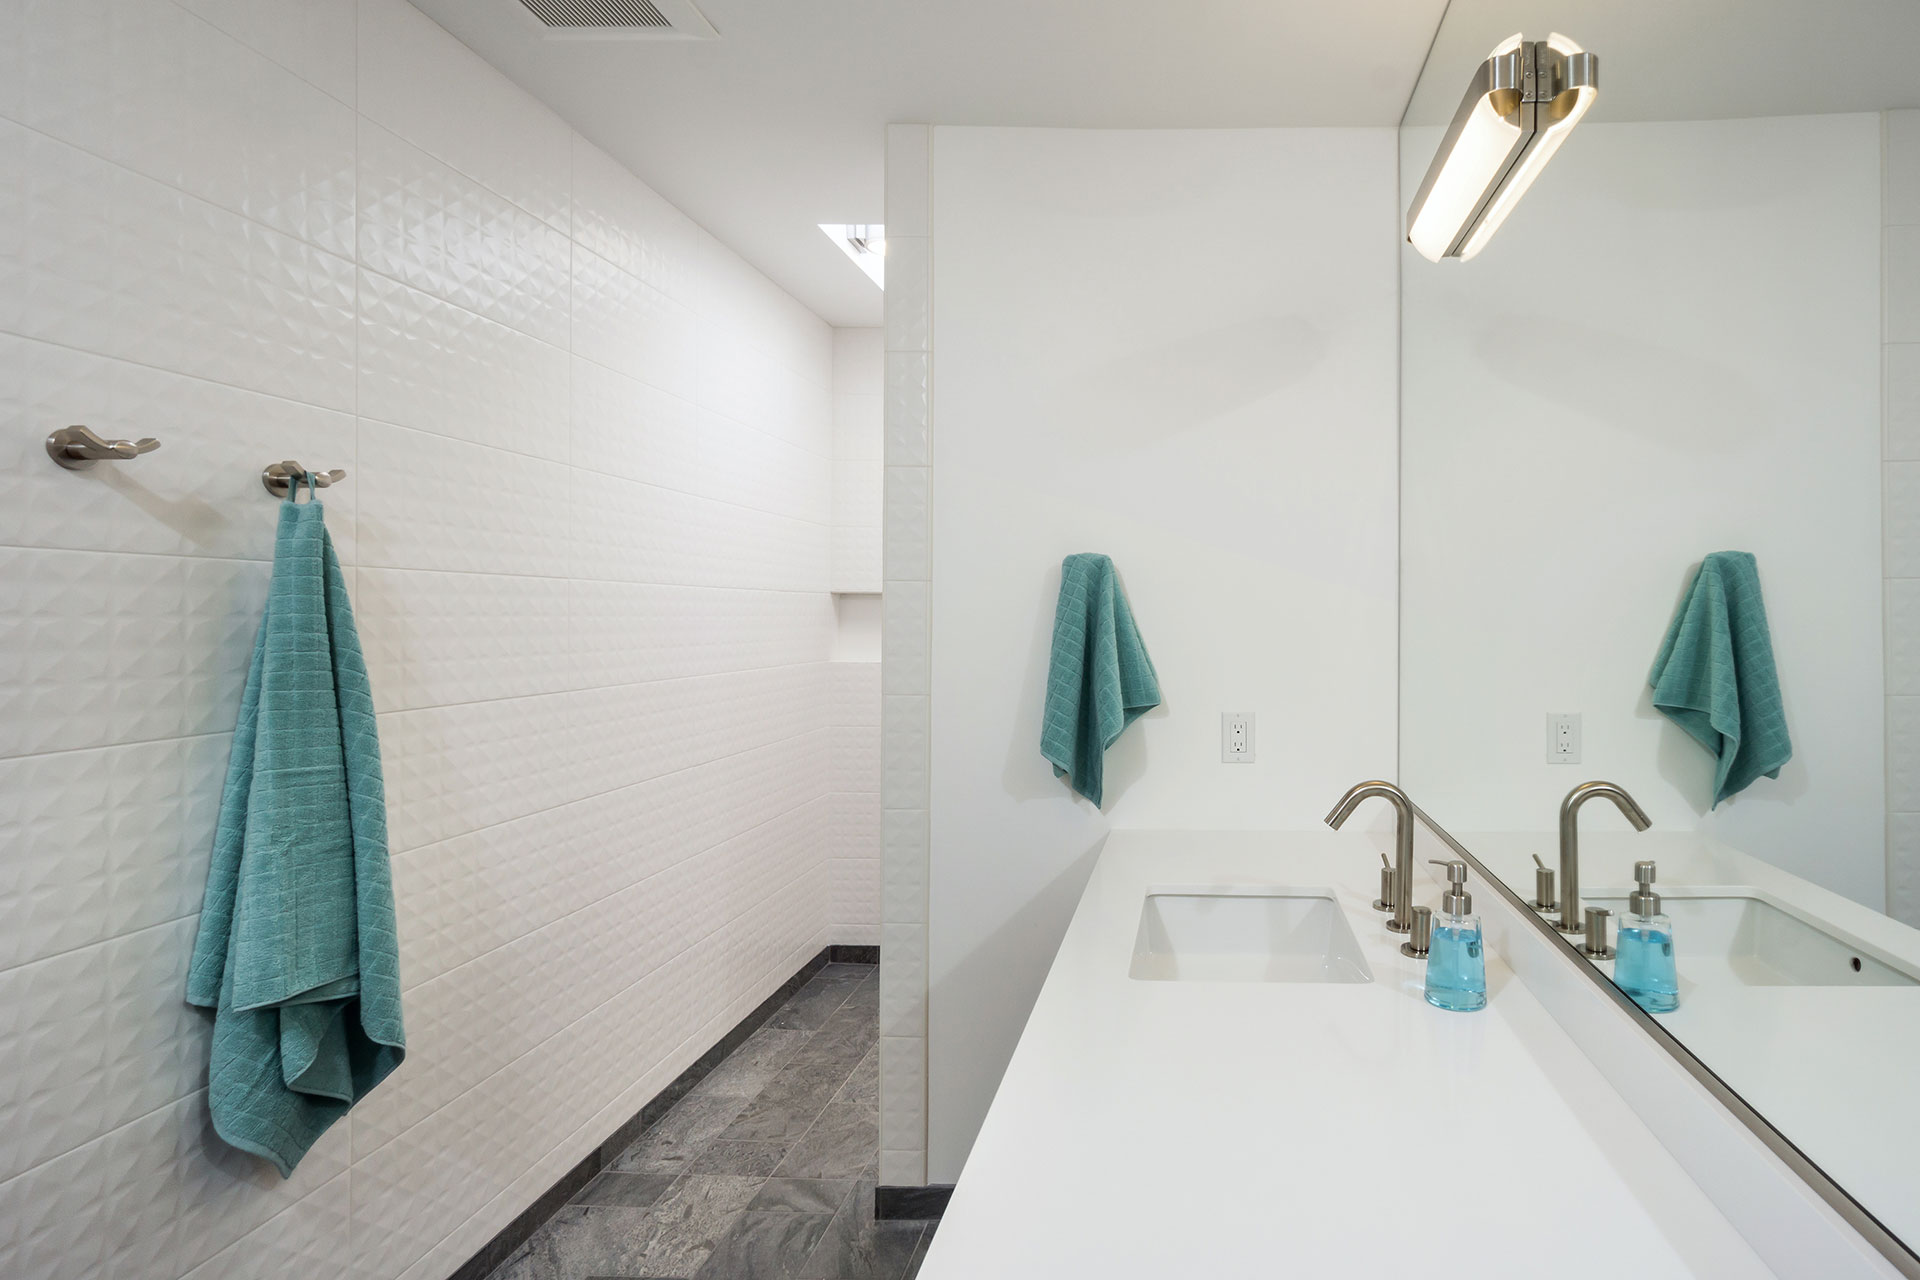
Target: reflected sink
{"type": "Point", "coordinates": [1258, 934]}
{"type": "Point", "coordinates": [1737, 937]}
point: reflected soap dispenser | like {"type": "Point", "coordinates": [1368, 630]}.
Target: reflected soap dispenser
{"type": "Point", "coordinates": [1456, 959]}
{"type": "Point", "coordinates": [1643, 965]}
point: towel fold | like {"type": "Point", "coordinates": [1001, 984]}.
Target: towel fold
{"type": "Point", "coordinates": [297, 953]}
{"type": "Point", "coordinates": [1099, 680]}
{"type": "Point", "coordinates": [1715, 676]}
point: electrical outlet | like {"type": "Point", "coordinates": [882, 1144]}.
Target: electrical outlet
{"type": "Point", "coordinates": [1563, 737]}
{"type": "Point", "coordinates": [1236, 737]}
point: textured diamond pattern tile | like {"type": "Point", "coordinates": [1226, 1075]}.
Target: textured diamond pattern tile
{"type": "Point", "coordinates": [446, 100]}
{"type": "Point", "coordinates": [626, 222]}
{"type": "Point", "coordinates": [431, 227]}
{"type": "Point", "coordinates": [624, 427]}
{"type": "Point", "coordinates": [909, 304]}
{"type": "Point", "coordinates": [312, 38]}
{"type": "Point", "coordinates": [262, 142]}
{"type": "Point", "coordinates": [626, 324]}
{"type": "Point", "coordinates": [427, 502]}
{"type": "Point", "coordinates": [588, 527]}
{"type": "Point", "coordinates": [433, 366]}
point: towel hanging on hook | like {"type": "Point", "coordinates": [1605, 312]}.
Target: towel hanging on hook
{"type": "Point", "coordinates": [282, 478]}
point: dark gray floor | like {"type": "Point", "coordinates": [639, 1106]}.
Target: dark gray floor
{"type": "Point", "coordinates": [765, 1171]}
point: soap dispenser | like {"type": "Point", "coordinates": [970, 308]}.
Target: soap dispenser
{"type": "Point", "coordinates": [1456, 960]}
{"type": "Point", "coordinates": [1643, 965]}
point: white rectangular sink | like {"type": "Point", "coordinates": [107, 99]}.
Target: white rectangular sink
{"type": "Point", "coordinates": [1738, 937]}
{"type": "Point", "coordinates": [1246, 934]}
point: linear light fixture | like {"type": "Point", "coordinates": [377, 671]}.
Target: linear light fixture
{"type": "Point", "coordinates": [1520, 106]}
{"type": "Point", "coordinates": [865, 243]}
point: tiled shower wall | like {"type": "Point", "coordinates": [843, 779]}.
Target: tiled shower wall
{"type": "Point", "coordinates": [857, 382]}
{"type": "Point", "coordinates": [856, 680]}
{"type": "Point", "coordinates": [1901, 363]}
{"type": "Point", "coordinates": [586, 522]}
{"type": "Point", "coordinates": [906, 655]}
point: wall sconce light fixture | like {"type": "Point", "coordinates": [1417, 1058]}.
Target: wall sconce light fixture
{"type": "Point", "coordinates": [1522, 103]}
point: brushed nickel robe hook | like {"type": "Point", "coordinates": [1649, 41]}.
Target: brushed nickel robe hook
{"type": "Point", "coordinates": [283, 479]}
{"type": "Point", "coordinates": [77, 448]}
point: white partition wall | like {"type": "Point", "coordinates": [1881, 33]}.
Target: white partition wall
{"type": "Point", "coordinates": [1176, 348]}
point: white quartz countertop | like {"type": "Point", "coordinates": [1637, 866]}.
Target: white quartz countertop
{"type": "Point", "coordinates": [1255, 1129]}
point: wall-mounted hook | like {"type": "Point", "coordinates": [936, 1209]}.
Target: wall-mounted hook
{"type": "Point", "coordinates": [77, 448]}
{"type": "Point", "coordinates": [281, 478]}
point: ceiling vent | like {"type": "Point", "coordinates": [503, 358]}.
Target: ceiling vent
{"type": "Point", "coordinates": [620, 19]}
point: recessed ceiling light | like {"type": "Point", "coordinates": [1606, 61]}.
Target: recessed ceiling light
{"type": "Point", "coordinates": [865, 243]}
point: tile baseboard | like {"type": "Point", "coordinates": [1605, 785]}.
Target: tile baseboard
{"type": "Point", "coordinates": [928, 1202]}
{"type": "Point", "coordinates": [516, 1233]}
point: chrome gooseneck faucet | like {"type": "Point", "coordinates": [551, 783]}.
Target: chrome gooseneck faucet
{"type": "Point", "coordinates": [1570, 919]}
{"type": "Point", "coordinates": [1402, 921]}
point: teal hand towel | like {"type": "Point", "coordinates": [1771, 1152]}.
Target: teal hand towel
{"type": "Point", "coordinates": [296, 953]}
{"type": "Point", "coordinates": [1100, 679]}
{"type": "Point", "coordinates": [1715, 676]}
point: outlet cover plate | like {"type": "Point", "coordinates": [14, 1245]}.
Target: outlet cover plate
{"type": "Point", "coordinates": [1236, 737]}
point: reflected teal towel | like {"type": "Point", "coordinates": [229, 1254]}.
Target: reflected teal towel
{"type": "Point", "coordinates": [297, 953]}
{"type": "Point", "coordinates": [1100, 679]}
{"type": "Point", "coordinates": [1715, 677]}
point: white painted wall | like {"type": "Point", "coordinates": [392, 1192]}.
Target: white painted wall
{"type": "Point", "coordinates": [1177, 348]}
{"type": "Point", "coordinates": [1901, 361]}
{"type": "Point", "coordinates": [586, 524]}
{"type": "Point", "coordinates": [1670, 349]}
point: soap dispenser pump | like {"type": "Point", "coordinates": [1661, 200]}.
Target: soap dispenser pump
{"type": "Point", "coordinates": [1643, 965]}
{"type": "Point", "coordinates": [1456, 958]}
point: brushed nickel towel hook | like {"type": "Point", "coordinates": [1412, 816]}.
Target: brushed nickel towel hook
{"type": "Point", "coordinates": [283, 478]}
{"type": "Point", "coordinates": [77, 448]}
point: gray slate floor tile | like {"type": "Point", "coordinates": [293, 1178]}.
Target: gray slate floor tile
{"type": "Point", "coordinates": [692, 1199]}
{"type": "Point", "coordinates": [814, 1003]}
{"type": "Point", "coordinates": [801, 1195]}
{"type": "Point", "coordinates": [752, 1066]}
{"type": "Point", "coordinates": [625, 1190]}
{"type": "Point", "coordinates": [740, 1159]}
{"type": "Point", "coordinates": [840, 1144]}
{"type": "Point", "coordinates": [863, 1086]}
{"type": "Point", "coordinates": [673, 1144]}
{"type": "Point", "coordinates": [856, 1247]}
{"type": "Point", "coordinates": [766, 1246]}
{"type": "Point", "coordinates": [790, 1104]}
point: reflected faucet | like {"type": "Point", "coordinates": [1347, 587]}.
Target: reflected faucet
{"type": "Point", "coordinates": [1570, 919]}
{"type": "Point", "coordinates": [1402, 921]}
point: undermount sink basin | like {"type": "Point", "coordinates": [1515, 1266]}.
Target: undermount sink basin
{"type": "Point", "coordinates": [1259, 934]}
{"type": "Point", "coordinates": [1736, 937]}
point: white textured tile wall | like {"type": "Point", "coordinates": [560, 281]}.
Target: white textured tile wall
{"type": "Point", "coordinates": [589, 528]}
{"type": "Point", "coordinates": [905, 654]}
{"type": "Point", "coordinates": [1901, 521]}
{"type": "Point", "coordinates": [857, 436]}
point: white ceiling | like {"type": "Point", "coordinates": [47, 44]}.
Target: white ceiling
{"type": "Point", "coordinates": [778, 125]}
{"type": "Point", "coordinates": [1699, 59]}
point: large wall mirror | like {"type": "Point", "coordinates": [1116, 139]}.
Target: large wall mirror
{"type": "Point", "coordinates": [1697, 333]}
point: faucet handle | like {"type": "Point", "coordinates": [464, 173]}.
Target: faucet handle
{"type": "Point", "coordinates": [1544, 898]}
{"type": "Point", "coordinates": [1420, 939]}
{"type": "Point", "coordinates": [1385, 901]}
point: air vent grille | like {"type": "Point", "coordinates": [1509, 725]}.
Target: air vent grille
{"type": "Point", "coordinates": [584, 14]}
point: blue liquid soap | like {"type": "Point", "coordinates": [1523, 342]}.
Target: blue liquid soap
{"type": "Point", "coordinates": [1457, 965]}
{"type": "Point", "coordinates": [1456, 959]}
{"type": "Point", "coordinates": [1643, 966]}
